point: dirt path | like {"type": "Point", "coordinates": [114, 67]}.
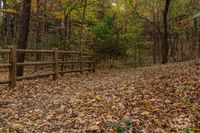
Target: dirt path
{"type": "Point", "coordinates": [159, 98]}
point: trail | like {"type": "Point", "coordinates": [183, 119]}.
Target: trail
{"type": "Point", "coordinates": [163, 98]}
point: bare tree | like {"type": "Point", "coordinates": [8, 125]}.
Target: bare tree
{"type": "Point", "coordinates": [23, 33]}
{"type": "Point", "coordinates": [165, 45]}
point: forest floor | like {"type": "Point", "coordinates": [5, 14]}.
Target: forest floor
{"type": "Point", "coordinates": [163, 98]}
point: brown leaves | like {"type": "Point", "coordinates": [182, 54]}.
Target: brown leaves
{"type": "Point", "coordinates": [156, 99]}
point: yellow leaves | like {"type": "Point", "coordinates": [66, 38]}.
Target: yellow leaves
{"type": "Point", "coordinates": [194, 106]}
{"type": "Point", "coordinates": [66, 1]}
{"type": "Point", "coordinates": [98, 98]}
{"type": "Point", "coordinates": [17, 126]}
{"type": "Point", "coordinates": [93, 128]}
{"type": "Point", "coordinates": [78, 94]}
{"type": "Point", "coordinates": [11, 11]}
{"type": "Point", "coordinates": [34, 5]}
{"type": "Point", "coordinates": [58, 15]}
{"type": "Point", "coordinates": [2, 130]}
{"type": "Point", "coordinates": [81, 114]}
{"type": "Point", "coordinates": [195, 129]}
{"type": "Point", "coordinates": [169, 90]}
{"type": "Point", "coordinates": [146, 113]}
{"type": "Point", "coordinates": [4, 110]}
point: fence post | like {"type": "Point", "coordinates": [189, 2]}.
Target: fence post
{"type": "Point", "coordinates": [81, 61]}
{"type": "Point", "coordinates": [93, 65]}
{"type": "Point", "coordinates": [55, 68]}
{"type": "Point", "coordinates": [12, 68]}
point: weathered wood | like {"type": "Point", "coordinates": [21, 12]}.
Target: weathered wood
{"type": "Point", "coordinates": [34, 51]}
{"type": "Point", "coordinates": [82, 58]}
{"type": "Point", "coordinates": [88, 61]}
{"type": "Point", "coordinates": [87, 57]}
{"type": "Point", "coordinates": [70, 71]}
{"type": "Point", "coordinates": [88, 69]}
{"type": "Point", "coordinates": [12, 68]}
{"type": "Point", "coordinates": [77, 70]}
{"type": "Point", "coordinates": [89, 54]}
{"type": "Point", "coordinates": [5, 65]}
{"type": "Point", "coordinates": [35, 76]}
{"type": "Point", "coordinates": [93, 64]}
{"type": "Point", "coordinates": [66, 62]}
{"type": "Point", "coordinates": [5, 50]}
{"type": "Point", "coordinates": [55, 68]}
{"type": "Point", "coordinates": [4, 81]}
{"type": "Point", "coordinates": [34, 63]}
{"type": "Point", "coordinates": [68, 52]}
{"type": "Point", "coordinates": [81, 61]}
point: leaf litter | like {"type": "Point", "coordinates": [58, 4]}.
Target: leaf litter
{"type": "Point", "coordinates": [160, 99]}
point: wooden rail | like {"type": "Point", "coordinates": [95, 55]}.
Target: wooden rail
{"type": "Point", "coordinates": [83, 59]}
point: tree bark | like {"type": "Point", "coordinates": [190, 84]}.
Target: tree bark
{"type": "Point", "coordinates": [199, 45]}
{"type": "Point", "coordinates": [37, 43]}
{"type": "Point", "coordinates": [165, 45]}
{"type": "Point", "coordinates": [82, 22]}
{"type": "Point", "coordinates": [23, 33]}
{"type": "Point", "coordinates": [5, 22]}
{"type": "Point", "coordinates": [38, 24]}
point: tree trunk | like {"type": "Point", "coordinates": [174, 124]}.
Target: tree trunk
{"type": "Point", "coordinates": [23, 33]}
{"type": "Point", "coordinates": [165, 45]}
{"type": "Point", "coordinates": [81, 34]}
{"type": "Point", "coordinates": [154, 52]}
{"type": "Point", "coordinates": [44, 24]}
{"type": "Point", "coordinates": [5, 22]}
{"type": "Point", "coordinates": [38, 29]}
{"type": "Point", "coordinates": [82, 22]}
{"type": "Point", "coordinates": [199, 45]}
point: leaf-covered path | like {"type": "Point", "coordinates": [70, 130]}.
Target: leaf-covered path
{"type": "Point", "coordinates": [159, 98]}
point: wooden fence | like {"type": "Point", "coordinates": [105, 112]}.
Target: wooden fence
{"type": "Point", "coordinates": [81, 61]}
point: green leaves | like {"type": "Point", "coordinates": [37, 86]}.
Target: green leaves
{"type": "Point", "coordinates": [108, 36]}
{"type": "Point", "coordinates": [122, 126]}
{"type": "Point", "coordinates": [186, 129]}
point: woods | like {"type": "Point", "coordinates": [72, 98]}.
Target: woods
{"type": "Point", "coordinates": [91, 66]}
{"type": "Point", "coordinates": [154, 31]}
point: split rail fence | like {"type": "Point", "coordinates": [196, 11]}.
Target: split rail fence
{"type": "Point", "coordinates": [83, 61]}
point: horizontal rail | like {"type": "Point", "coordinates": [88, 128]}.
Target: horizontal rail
{"type": "Point", "coordinates": [79, 57]}
{"type": "Point", "coordinates": [5, 50]}
{"type": "Point", "coordinates": [34, 51]}
{"type": "Point", "coordinates": [88, 69]}
{"type": "Point", "coordinates": [42, 51]}
{"type": "Point", "coordinates": [34, 63]}
{"type": "Point", "coordinates": [88, 61]}
{"type": "Point", "coordinates": [70, 71]}
{"type": "Point", "coordinates": [68, 52]}
{"type": "Point", "coordinates": [65, 62]}
{"type": "Point", "coordinates": [4, 65]}
{"type": "Point", "coordinates": [68, 62]}
{"type": "Point", "coordinates": [34, 76]}
{"type": "Point", "coordinates": [4, 81]}
{"type": "Point", "coordinates": [87, 56]}
{"type": "Point", "coordinates": [78, 70]}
